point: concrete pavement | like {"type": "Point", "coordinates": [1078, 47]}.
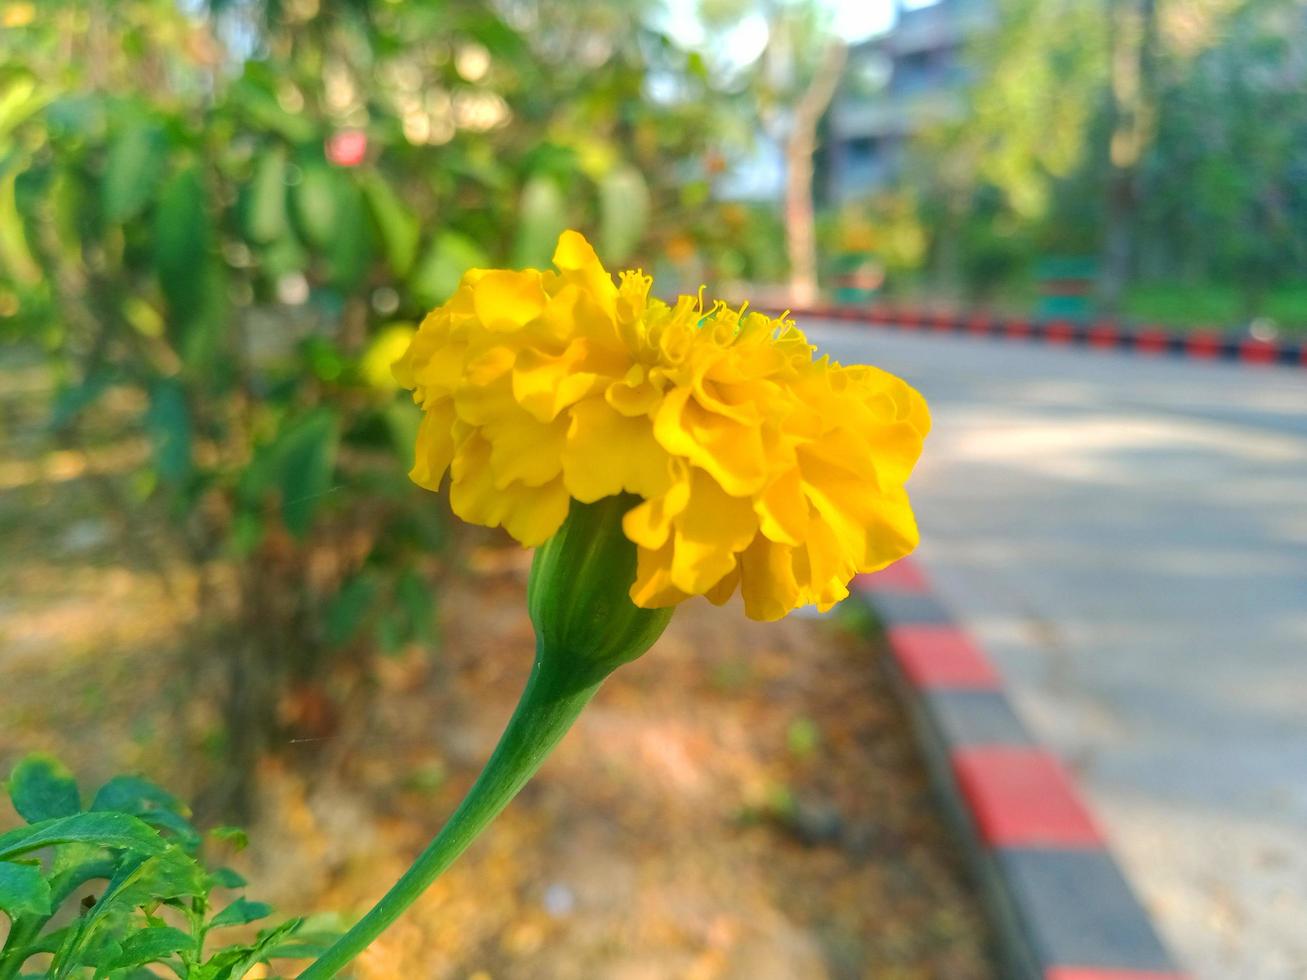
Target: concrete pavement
{"type": "Point", "coordinates": [1127, 536]}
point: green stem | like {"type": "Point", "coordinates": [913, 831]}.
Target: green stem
{"type": "Point", "coordinates": [550, 703]}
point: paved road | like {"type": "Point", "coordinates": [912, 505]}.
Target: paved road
{"type": "Point", "coordinates": [1128, 537]}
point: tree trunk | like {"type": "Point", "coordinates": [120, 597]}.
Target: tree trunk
{"type": "Point", "coordinates": [1134, 96]}
{"type": "Point", "coordinates": [800, 147]}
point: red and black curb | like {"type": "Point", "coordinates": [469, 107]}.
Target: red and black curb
{"type": "Point", "coordinates": [1061, 906]}
{"type": "Point", "coordinates": [1198, 344]}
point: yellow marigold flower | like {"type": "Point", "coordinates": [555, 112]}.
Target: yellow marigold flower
{"type": "Point", "coordinates": [757, 465]}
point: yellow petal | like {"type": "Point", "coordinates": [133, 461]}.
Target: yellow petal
{"type": "Point", "coordinates": [578, 262]}
{"type": "Point", "coordinates": [506, 300]}
{"type": "Point", "coordinates": [435, 446]}
{"type": "Point", "coordinates": [653, 587]}
{"type": "Point", "coordinates": [544, 384]}
{"type": "Point", "coordinates": [650, 524]}
{"type": "Point", "coordinates": [721, 593]}
{"type": "Point", "coordinates": [711, 529]}
{"type": "Point", "coordinates": [731, 452]}
{"type": "Point", "coordinates": [782, 509]}
{"type": "Point", "coordinates": [536, 513]}
{"type": "Point", "coordinates": [523, 450]}
{"type": "Point", "coordinates": [607, 453]}
{"type": "Point", "coordinates": [767, 581]}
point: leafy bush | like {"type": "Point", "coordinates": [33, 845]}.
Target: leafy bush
{"type": "Point", "coordinates": [157, 905]}
{"type": "Point", "coordinates": [227, 219]}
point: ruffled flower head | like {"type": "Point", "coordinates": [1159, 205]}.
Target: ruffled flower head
{"type": "Point", "coordinates": [756, 465]}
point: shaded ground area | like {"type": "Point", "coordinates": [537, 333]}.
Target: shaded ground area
{"type": "Point", "coordinates": [744, 802]}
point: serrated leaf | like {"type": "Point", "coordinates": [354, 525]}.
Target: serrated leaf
{"type": "Point", "coordinates": [23, 891]}
{"type": "Point", "coordinates": [134, 795]}
{"type": "Point", "coordinates": [42, 788]}
{"type": "Point", "coordinates": [115, 830]}
{"type": "Point", "coordinates": [441, 268]}
{"type": "Point", "coordinates": [154, 805]}
{"type": "Point", "coordinates": [262, 949]}
{"type": "Point", "coordinates": [150, 945]}
{"type": "Point", "coordinates": [226, 878]}
{"type": "Point", "coordinates": [131, 172]}
{"type": "Point", "coordinates": [240, 912]}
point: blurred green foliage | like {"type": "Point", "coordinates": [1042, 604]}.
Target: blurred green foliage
{"type": "Point", "coordinates": [1176, 130]}
{"type": "Point", "coordinates": [131, 860]}
{"type": "Point", "coordinates": [232, 215]}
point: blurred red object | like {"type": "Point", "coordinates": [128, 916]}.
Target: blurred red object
{"type": "Point", "coordinates": [347, 148]}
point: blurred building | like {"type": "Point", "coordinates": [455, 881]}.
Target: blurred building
{"type": "Point", "coordinates": [895, 84]}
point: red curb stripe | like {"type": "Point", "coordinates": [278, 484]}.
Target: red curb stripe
{"type": "Point", "coordinates": [934, 657]}
{"type": "Point", "coordinates": [1103, 335]}
{"type": "Point", "coordinates": [1059, 332]}
{"type": "Point", "coordinates": [1258, 351]}
{"type": "Point", "coordinates": [1203, 344]}
{"type": "Point", "coordinates": [1097, 973]}
{"type": "Point", "coordinates": [1152, 341]}
{"type": "Point", "coordinates": [905, 575]}
{"type": "Point", "coordinates": [978, 323]}
{"type": "Point", "coordinates": [1016, 328]}
{"type": "Point", "coordinates": [1022, 797]}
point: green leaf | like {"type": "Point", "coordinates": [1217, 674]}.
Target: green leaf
{"type": "Point", "coordinates": [542, 218]}
{"type": "Point", "coordinates": [265, 205]}
{"type": "Point", "coordinates": [233, 964]}
{"type": "Point", "coordinates": [150, 945]}
{"type": "Point", "coordinates": [254, 94]}
{"type": "Point", "coordinates": [142, 881]}
{"type": "Point", "coordinates": [42, 788]}
{"type": "Point", "coordinates": [315, 203]}
{"type": "Point", "coordinates": [418, 601]}
{"type": "Point", "coordinates": [350, 250]}
{"type": "Point", "coordinates": [134, 795]}
{"type": "Point", "coordinates": [395, 223]}
{"type": "Point", "coordinates": [20, 97]}
{"type": "Point", "coordinates": [623, 213]}
{"type": "Point", "coordinates": [23, 891]}
{"type": "Point", "coordinates": [154, 805]}
{"type": "Point", "coordinates": [131, 172]}
{"type": "Point", "coordinates": [168, 421]}
{"type": "Point", "coordinates": [116, 830]}
{"type": "Point", "coordinates": [74, 399]}
{"type": "Point", "coordinates": [15, 255]}
{"type": "Point", "coordinates": [232, 836]}
{"type": "Point", "coordinates": [308, 462]}
{"type": "Point", "coordinates": [438, 273]}
{"type": "Point", "coordinates": [181, 244]}
{"type": "Point", "coordinates": [348, 608]}
{"type": "Point", "coordinates": [226, 878]}
{"type": "Point", "coordinates": [239, 912]}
